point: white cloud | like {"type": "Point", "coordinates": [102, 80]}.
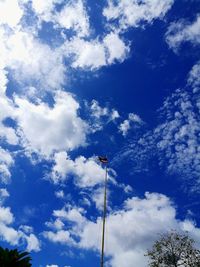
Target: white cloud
{"type": "Point", "coordinates": [3, 80]}
{"type": "Point", "coordinates": [56, 225]}
{"type": "Point", "coordinates": [86, 171]}
{"type": "Point", "coordinates": [6, 215]}
{"type": "Point", "coordinates": [115, 114]}
{"type": "Point", "coordinates": [6, 161]}
{"type": "Point", "coordinates": [174, 142]}
{"type": "Point", "coordinates": [26, 229]}
{"type": "Point", "coordinates": [33, 61]}
{"type": "Point", "coordinates": [194, 77]}
{"type": "Point", "coordinates": [141, 219]}
{"type": "Point", "coordinates": [33, 243]}
{"type": "Point", "coordinates": [182, 31]}
{"type": "Point", "coordinates": [44, 8]}
{"type": "Point", "coordinates": [72, 214]}
{"type": "Point", "coordinates": [52, 265]}
{"type": "Point", "coordinates": [65, 215]}
{"type": "Point", "coordinates": [58, 127]}
{"type": "Point", "coordinates": [177, 138]}
{"type": "Point", "coordinates": [60, 194]}
{"type": "Point", "coordinates": [12, 236]}
{"type": "Point", "coordinates": [87, 54]}
{"type": "Point", "coordinates": [133, 13]}
{"type": "Point", "coordinates": [98, 111]}
{"type": "Point", "coordinates": [97, 197]}
{"type": "Point", "coordinates": [124, 127]}
{"type": "Point", "coordinates": [10, 12]}
{"type": "Point", "coordinates": [132, 121]}
{"type": "Point", "coordinates": [3, 193]}
{"type": "Point", "coordinates": [116, 47]}
{"type": "Point", "coordinates": [7, 111]}
{"type": "Point", "coordinates": [61, 236]}
{"type": "Point", "coordinates": [8, 234]}
{"type": "Point", "coordinates": [74, 16]}
{"type": "Point", "coordinates": [95, 54]}
{"type": "Point", "coordinates": [100, 116]}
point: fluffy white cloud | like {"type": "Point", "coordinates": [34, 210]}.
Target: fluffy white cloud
{"type": "Point", "coordinates": [61, 236]}
{"type": "Point", "coordinates": [52, 265]}
{"type": "Point", "coordinates": [33, 61]}
{"type": "Point", "coordinates": [56, 225]}
{"type": "Point", "coordinates": [86, 171]}
{"type": "Point", "coordinates": [87, 54]}
{"type": "Point", "coordinates": [10, 12]}
{"type": "Point", "coordinates": [52, 128]}
{"type": "Point", "coordinates": [8, 234]}
{"type": "Point", "coordinates": [182, 31]}
{"type": "Point", "coordinates": [133, 13]}
{"type": "Point", "coordinates": [6, 161]}
{"type": "Point", "coordinates": [132, 121]}
{"type": "Point", "coordinates": [141, 219]}
{"type": "Point", "coordinates": [44, 8]}
{"type": "Point", "coordinates": [3, 195]}
{"type": "Point", "coordinates": [6, 215]}
{"type": "Point", "coordinates": [12, 236]}
{"type": "Point", "coordinates": [72, 214]}
{"type": "Point", "coordinates": [33, 243]}
{"type": "Point", "coordinates": [117, 49]}
{"type": "Point", "coordinates": [74, 17]}
{"type": "Point", "coordinates": [94, 54]}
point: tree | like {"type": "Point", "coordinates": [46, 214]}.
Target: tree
{"type": "Point", "coordinates": [174, 250]}
{"type": "Point", "coordinates": [14, 258]}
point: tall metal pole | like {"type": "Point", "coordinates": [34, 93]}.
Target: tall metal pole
{"type": "Point", "coordinates": [104, 217]}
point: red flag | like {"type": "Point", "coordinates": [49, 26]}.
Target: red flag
{"type": "Point", "coordinates": [103, 159]}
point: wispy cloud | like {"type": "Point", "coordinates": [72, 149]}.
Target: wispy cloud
{"type": "Point", "coordinates": [135, 13]}
{"type": "Point", "coordinates": [183, 31]}
{"type": "Point", "coordinates": [174, 142]}
{"type": "Point", "coordinates": [133, 121]}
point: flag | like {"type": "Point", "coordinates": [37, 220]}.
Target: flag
{"type": "Point", "coordinates": [103, 159]}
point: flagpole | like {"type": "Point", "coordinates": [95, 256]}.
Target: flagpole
{"type": "Point", "coordinates": [104, 217]}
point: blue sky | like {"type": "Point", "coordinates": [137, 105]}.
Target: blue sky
{"type": "Point", "coordinates": [80, 79]}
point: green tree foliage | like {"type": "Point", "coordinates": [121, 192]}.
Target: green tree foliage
{"type": "Point", "coordinates": [14, 258]}
{"type": "Point", "coordinates": [174, 250]}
